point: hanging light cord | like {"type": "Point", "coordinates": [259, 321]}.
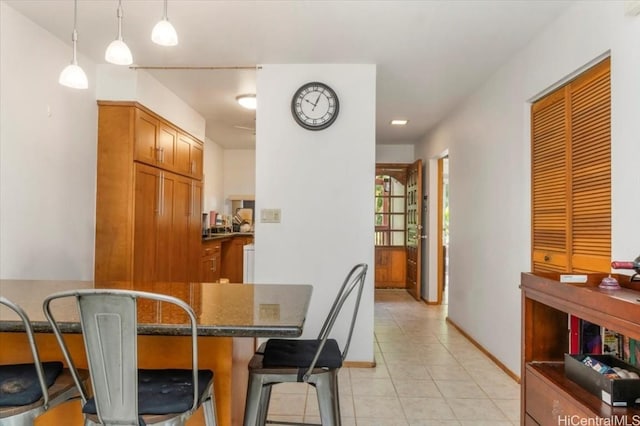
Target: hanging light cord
{"type": "Point", "coordinates": [119, 15]}
{"type": "Point", "coordinates": [165, 11]}
{"type": "Point", "coordinates": [74, 34]}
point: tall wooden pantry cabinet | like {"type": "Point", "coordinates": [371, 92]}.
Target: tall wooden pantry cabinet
{"type": "Point", "coordinates": [149, 197]}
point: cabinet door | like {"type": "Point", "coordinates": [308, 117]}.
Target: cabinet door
{"type": "Point", "coordinates": [197, 154]}
{"type": "Point", "coordinates": [189, 156]}
{"type": "Point", "coordinates": [167, 142]}
{"type": "Point", "coordinates": [194, 228]}
{"type": "Point", "coordinates": [147, 209]}
{"type": "Point", "coordinates": [146, 134]}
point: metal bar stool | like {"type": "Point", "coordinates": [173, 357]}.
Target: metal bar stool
{"type": "Point", "coordinates": [29, 390]}
{"type": "Point", "coordinates": [122, 393]}
{"type": "Point", "coordinates": [314, 361]}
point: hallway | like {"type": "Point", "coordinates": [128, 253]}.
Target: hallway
{"type": "Point", "coordinates": [427, 373]}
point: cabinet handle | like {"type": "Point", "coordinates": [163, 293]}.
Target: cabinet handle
{"type": "Point", "coordinates": [547, 258]}
{"type": "Point", "coordinates": [161, 154]}
{"type": "Point", "coordinates": [213, 264]}
{"type": "Point", "coordinates": [159, 201]}
{"type": "Point", "coordinates": [191, 197]}
{"type": "Point", "coordinates": [161, 213]}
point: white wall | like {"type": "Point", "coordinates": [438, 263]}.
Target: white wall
{"type": "Point", "coordinates": [239, 174]}
{"type": "Point", "coordinates": [488, 139]}
{"type": "Point", "coordinates": [47, 157]}
{"type": "Point", "coordinates": [323, 183]}
{"type": "Point", "coordinates": [213, 191]}
{"type": "Point", "coordinates": [402, 153]}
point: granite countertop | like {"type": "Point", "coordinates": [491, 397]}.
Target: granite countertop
{"type": "Point", "coordinates": [231, 310]}
{"type": "Point", "coordinates": [223, 235]}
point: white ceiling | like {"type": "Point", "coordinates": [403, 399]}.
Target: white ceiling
{"type": "Point", "coordinates": [429, 54]}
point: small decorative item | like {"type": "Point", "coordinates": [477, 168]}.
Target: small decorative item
{"type": "Point", "coordinates": [609, 283]}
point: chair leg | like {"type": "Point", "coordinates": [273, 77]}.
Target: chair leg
{"type": "Point", "coordinates": [210, 417]}
{"type": "Point", "coordinates": [265, 398]}
{"type": "Point", "coordinates": [254, 397]}
{"type": "Point", "coordinates": [327, 389]}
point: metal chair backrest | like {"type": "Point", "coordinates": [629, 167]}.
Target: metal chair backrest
{"type": "Point", "coordinates": [32, 346]}
{"type": "Point", "coordinates": [109, 325]}
{"type": "Point", "coordinates": [353, 284]}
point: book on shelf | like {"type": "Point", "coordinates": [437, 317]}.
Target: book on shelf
{"type": "Point", "coordinates": [588, 338]}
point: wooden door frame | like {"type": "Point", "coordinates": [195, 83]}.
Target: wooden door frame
{"type": "Point", "coordinates": [440, 257]}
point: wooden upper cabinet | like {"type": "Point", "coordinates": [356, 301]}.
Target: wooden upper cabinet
{"type": "Point", "coordinates": [189, 155]}
{"type": "Point", "coordinates": [167, 142]}
{"type": "Point", "coordinates": [571, 175]}
{"type": "Point", "coordinates": [160, 144]}
{"type": "Point", "coordinates": [146, 135]}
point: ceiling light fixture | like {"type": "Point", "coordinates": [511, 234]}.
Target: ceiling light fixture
{"type": "Point", "coordinates": [247, 101]}
{"type": "Point", "coordinates": [118, 52]}
{"type": "Point", "coordinates": [163, 33]}
{"type": "Point", "coordinates": [399, 122]}
{"type": "Point", "coordinates": [72, 75]}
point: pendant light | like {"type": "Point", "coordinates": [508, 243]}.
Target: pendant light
{"type": "Point", "coordinates": [163, 33]}
{"type": "Point", "coordinates": [118, 52]}
{"type": "Point", "coordinates": [72, 75]}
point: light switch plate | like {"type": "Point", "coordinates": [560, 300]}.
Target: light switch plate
{"type": "Point", "coordinates": [270, 215]}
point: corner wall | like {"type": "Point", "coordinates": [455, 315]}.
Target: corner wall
{"type": "Point", "coordinates": [47, 157]}
{"type": "Point", "coordinates": [488, 138]}
{"type": "Point", "coordinates": [323, 182]}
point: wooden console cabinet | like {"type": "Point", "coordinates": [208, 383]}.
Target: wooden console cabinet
{"type": "Point", "coordinates": [548, 396]}
{"type": "Point", "coordinates": [149, 197]}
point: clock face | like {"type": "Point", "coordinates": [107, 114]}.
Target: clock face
{"type": "Point", "coordinates": [315, 106]}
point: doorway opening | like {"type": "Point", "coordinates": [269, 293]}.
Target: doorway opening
{"type": "Point", "coordinates": [443, 229]}
{"type": "Point", "coordinates": [398, 226]}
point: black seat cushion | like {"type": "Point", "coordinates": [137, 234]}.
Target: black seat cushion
{"type": "Point", "coordinates": [164, 391]}
{"type": "Point", "coordinates": [300, 353]}
{"type": "Point", "coordinates": [19, 383]}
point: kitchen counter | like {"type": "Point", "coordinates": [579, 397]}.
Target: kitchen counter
{"type": "Point", "coordinates": [229, 316]}
{"type": "Point", "coordinates": [228, 310]}
{"type": "Point", "coordinates": [225, 235]}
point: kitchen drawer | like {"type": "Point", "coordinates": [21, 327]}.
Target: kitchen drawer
{"type": "Point", "coordinates": [210, 248]}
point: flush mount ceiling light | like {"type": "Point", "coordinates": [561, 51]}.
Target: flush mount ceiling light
{"type": "Point", "coordinates": [118, 52]}
{"type": "Point", "coordinates": [247, 101]}
{"type": "Point", "coordinates": [72, 75]}
{"type": "Point", "coordinates": [399, 122]}
{"type": "Point", "coordinates": [163, 33]}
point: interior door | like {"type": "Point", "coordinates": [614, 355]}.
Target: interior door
{"type": "Point", "coordinates": [414, 229]}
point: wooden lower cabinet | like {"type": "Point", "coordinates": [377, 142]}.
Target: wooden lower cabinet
{"type": "Point", "coordinates": [211, 261]}
{"type": "Point", "coordinates": [391, 264]}
{"type": "Point", "coordinates": [233, 257]}
{"type": "Point", "coordinates": [166, 227]}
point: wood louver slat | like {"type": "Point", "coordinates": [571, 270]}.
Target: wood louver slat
{"type": "Point", "coordinates": [571, 175]}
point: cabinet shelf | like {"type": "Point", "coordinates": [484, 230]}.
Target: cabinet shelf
{"type": "Point", "coordinates": [546, 306]}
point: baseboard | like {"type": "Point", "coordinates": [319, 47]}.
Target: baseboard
{"type": "Point", "coordinates": [359, 364]}
{"type": "Point", "coordinates": [495, 360]}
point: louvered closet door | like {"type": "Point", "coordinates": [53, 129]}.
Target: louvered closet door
{"type": "Point", "coordinates": [549, 183]}
{"type": "Point", "coordinates": [591, 170]}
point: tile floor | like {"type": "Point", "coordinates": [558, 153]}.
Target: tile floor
{"type": "Point", "coordinates": [427, 373]}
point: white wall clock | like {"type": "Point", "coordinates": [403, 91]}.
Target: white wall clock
{"type": "Point", "coordinates": [315, 106]}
